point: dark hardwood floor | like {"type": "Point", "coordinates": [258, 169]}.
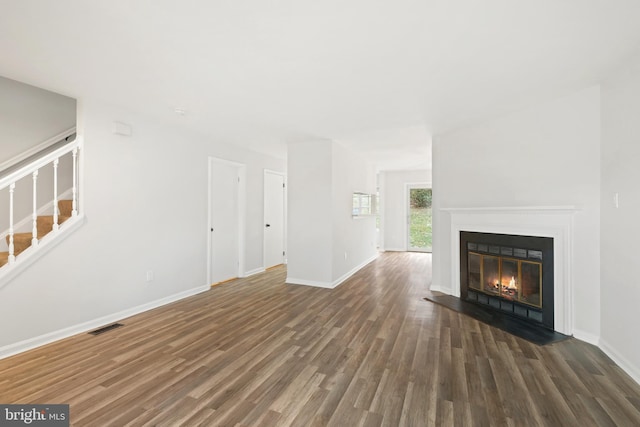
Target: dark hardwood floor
{"type": "Point", "coordinates": [371, 352]}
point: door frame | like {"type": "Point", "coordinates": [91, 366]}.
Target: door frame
{"type": "Point", "coordinates": [407, 205]}
{"type": "Point", "coordinates": [242, 212]}
{"type": "Point", "coordinates": [264, 216]}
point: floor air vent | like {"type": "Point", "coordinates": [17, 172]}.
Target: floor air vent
{"type": "Point", "coordinates": [106, 329]}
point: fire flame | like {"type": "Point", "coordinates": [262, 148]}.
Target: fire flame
{"type": "Point", "coordinates": [512, 283]}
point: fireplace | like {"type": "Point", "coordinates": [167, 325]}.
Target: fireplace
{"type": "Point", "coordinates": [509, 273]}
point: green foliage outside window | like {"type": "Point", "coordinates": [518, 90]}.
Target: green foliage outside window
{"type": "Point", "coordinates": [420, 198]}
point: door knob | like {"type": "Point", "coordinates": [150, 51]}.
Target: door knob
{"type": "Point", "coordinates": [268, 225]}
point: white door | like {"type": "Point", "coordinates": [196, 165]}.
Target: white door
{"type": "Point", "coordinates": [224, 216]}
{"type": "Point", "coordinates": [274, 226]}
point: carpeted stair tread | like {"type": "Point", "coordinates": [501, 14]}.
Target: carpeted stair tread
{"type": "Point", "coordinates": [65, 207]}
{"type": "Point", "coordinates": [44, 224]}
{"type": "Point", "coordinates": [21, 241]}
{"type": "Point", "coordinates": [4, 258]}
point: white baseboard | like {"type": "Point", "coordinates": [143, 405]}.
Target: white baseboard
{"type": "Point", "coordinates": [31, 343]}
{"type": "Point", "coordinates": [437, 288]}
{"type": "Point", "coordinates": [586, 337]}
{"type": "Point", "coordinates": [354, 270]}
{"type": "Point", "coordinates": [254, 272]}
{"type": "Point", "coordinates": [294, 281]}
{"type": "Point", "coordinates": [632, 370]}
{"type": "Point", "coordinates": [335, 283]}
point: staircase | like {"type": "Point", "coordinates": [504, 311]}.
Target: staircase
{"type": "Point", "coordinates": [32, 235]}
{"type": "Point", "coordinates": [22, 241]}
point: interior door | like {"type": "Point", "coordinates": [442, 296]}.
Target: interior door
{"type": "Point", "coordinates": [224, 215]}
{"type": "Point", "coordinates": [274, 224]}
{"type": "Point", "coordinates": [419, 219]}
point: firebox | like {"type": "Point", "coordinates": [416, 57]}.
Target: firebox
{"type": "Point", "coordinates": [509, 273]}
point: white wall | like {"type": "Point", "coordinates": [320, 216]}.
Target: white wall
{"type": "Point", "coordinates": [353, 237]}
{"type": "Point", "coordinates": [548, 155]}
{"type": "Point", "coordinates": [322, 177]}
{"type": "Point", "coordinates": [28, 117]}
{"type": "Point", "coordinates": [145, 200]}
{"type": "Point", "coordinates": [619, 226]}
{"type": "Point", "coordinates": [309, 212]}
{"type": "Point", "coordinates": [31, 115]}
{"type": "Point", "coordinates": [393, 214]}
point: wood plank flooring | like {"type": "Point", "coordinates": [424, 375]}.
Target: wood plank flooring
{"type": "Point", "coordinates": [372, 352]}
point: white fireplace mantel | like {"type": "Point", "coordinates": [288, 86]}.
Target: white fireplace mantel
{"type": "Point", "coordinates": [542, 221]}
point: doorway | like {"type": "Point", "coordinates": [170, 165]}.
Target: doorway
{"type": "Point", "coordinates": [226, 220]}
{"type": "Point", "coordinates": [419, 218]}
{"type": "Point", "coordinates": [274, 218]}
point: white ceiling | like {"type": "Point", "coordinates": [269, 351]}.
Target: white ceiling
{"type": "Point", "coordinates": [379, 76]}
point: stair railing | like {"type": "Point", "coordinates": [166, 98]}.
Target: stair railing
{"type": "Point", "coordinates": [32, 168]}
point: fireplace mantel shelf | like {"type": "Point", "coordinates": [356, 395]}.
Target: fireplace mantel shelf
{"type": "Point", "coordinates": [515, 209]}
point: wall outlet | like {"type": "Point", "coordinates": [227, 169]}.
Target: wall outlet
{"type": "Point", "coordinates": [345, 255]}
{"type": "Point", "coordinates": [616, 200]}
{"type": "Point", "coordinates": [149, 275]}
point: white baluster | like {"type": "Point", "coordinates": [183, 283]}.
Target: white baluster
{"type": "Point", "coordinates": [34, 240]}
{"type": "Point", "coordinates": [12, 257]}
{"type": "Point", "coordinates": [55, 195]}
{"type": "Point", "coordinates": [74, 203]}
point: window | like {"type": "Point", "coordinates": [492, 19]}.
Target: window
{"type": "Point", "coordinates": [364, 204]}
